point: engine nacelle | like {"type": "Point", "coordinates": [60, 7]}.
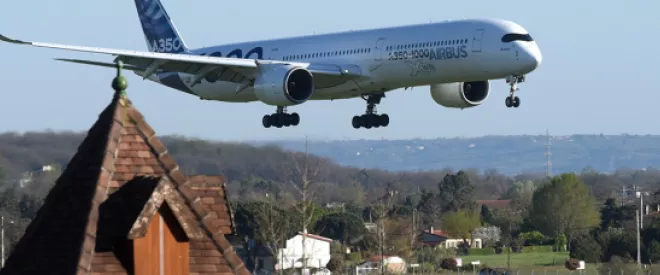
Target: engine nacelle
{"type": "Point", "coordinates": [460, 94]}
{"type": "Point", "coordinates": [283, 85]}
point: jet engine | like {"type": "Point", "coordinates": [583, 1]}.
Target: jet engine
{"type": "Point", "coordinates": [460, 94]}
{"type": "Point", "coordinates": [283, 85]}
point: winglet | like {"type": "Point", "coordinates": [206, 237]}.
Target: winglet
{"type": "Point", "coordinates": [7, 39]}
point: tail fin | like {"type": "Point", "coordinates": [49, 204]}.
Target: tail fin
{"type": "Point", "coordinates": [159, 30]}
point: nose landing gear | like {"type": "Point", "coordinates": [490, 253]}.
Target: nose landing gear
{"type": "Point", "coordinates": [511, 100]}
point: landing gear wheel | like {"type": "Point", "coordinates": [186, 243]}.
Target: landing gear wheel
{"type": "Point", "coordinates": [516, 102]}
{"type": "Point", "coordinates": [512, 102]}
{"type": "Point", "coordinates": [384, 120]}
{"type": "Point", "coordinates": [280, 119]}
{"type": "Point", "coordinates": [266, 121]}
{"type": "Point", "coordinates": [370, 119]}
{"type": "Point", "coordinates": [508, 102]}
{"type": "Point", "coordinates": [356, 122]}
{"type": "Point", "coordinates": [295, 119]}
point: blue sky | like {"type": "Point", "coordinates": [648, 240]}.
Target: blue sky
{"type": "Point", "coordinates": [599, 71]}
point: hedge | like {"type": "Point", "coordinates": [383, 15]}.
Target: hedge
{"type": "Point", "coordinates": [538, 248]}
{"type": "Point", "coordinates": [482, 251]}
{"type": "Point", "coordinates": [525, 249]}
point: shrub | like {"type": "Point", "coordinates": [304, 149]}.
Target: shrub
{"type": "Point", "coordinates": [538, 248]}
{"type": "Point", "coordinates": [560, 243]}
{"type": "Point", "coordinates": [516, 247]}
{"type": "Point", "coordinates": [532, 238]}
{"type": "Point", "coordinates": [586, 248]}
{"type": "Point", "coordinates": [449, 264]}
{"type": "Point", "coordinates": [572, 264]}
{"type": "Point", "coordinates": [355, 257]}
{"type": "Point", "coordinates": [335, 264]}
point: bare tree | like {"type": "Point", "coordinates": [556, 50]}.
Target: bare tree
{"type": "Point", "coordinates": [380, 209]}
{"type": "Point", "coordinates": [275, 229]}
{"type": "Point", "coordinates": [302, 179]}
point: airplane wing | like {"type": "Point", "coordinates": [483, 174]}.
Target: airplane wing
{"type": "Point", "coordinates": [236, 70]}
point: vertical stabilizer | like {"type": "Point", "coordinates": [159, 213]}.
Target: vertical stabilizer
{"type": "Point", "coordinates": [158, 28]}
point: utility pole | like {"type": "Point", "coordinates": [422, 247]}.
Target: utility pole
{"type": "Point", "coordinates": [639, 263]}
{"type": "Point", "coordinates": [641, 207]}
{"type": "Point", "coordinates": [414, 233]}
{"type": "Point", "coordinates": [508, 254]}
{"type": "Point", "coordinates": [2, 228]}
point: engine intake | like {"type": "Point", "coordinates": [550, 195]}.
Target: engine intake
{"type": "Point", "coordinates": [460, 94]}
{"type": "Point", "coordinates": [283, 85]}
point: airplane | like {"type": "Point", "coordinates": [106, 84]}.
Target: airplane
{"type": "Point", "coordinates": [457, 59]}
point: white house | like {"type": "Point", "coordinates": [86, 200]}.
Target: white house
{"type": "Point", "coordinates": [435, 238]}
{"type": "Point", "coordinates": [317, 253]}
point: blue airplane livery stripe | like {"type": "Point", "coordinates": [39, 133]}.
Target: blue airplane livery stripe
{"type": "Point", "coordinates": [158, 30]}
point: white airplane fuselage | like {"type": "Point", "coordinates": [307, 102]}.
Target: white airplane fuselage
{"type": "Point", "coordinates": [388, 58]}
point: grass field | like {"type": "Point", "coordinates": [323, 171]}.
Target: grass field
{"type": "Point", "coordinates": [538, 261]}
{"type": "Point", "coordinates": [542, 262]}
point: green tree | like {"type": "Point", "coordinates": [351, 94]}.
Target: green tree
{"type": "Point", "coordinates": [344, 227]}
{"type": "Point", "coordinates": [565, 205]}
{"type": "Point", "coordinates": [486, 215]}
{"type": "Point", "coordinates": [460, 224]}
{"type": "Point", "coordinates": [520, 193]}
{"type": "Point", "coordinates": [654, 252]}
{"type": "Point", "coordinates": [430, 208]}
{"type": "Point", "coordinates": [456, 192]}
{"type": "Point", "coordinates": [586, 248]}
{"type": "Point", "coordinates": [531, 238]}
{"type": "Point", "coordinates": [614, 216]}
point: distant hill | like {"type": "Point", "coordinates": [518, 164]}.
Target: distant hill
{"type": "Point", "coordinates": [508, 154]}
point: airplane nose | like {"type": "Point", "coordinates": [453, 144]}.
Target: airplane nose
{"type": "Point", "coordinates": [531, 58]}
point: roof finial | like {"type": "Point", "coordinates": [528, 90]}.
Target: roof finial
{"type": "Point", "coordinates": [119, 84]}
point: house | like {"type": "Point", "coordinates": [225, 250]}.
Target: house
{"type": "Point", "coordinates": [123, 206]}
{"type": "Point", "coordinates": [317, 253]}
{"type": "Point", "coordinates": [439, 238]}
{"type": "Point", "coordinates": [391, 264]}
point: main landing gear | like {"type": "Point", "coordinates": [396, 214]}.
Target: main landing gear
{"type": "Point", "coordinates": [370, 118]}
{"type": "Point", "coordinates": [281, 119]}
{"type": "Point", "coordinates": [511, 100]}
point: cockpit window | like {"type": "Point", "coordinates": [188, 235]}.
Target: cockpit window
{"type": "Point", "coordinates": [509, 37]}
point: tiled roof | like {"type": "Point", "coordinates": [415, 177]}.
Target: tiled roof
{"type": "Point", "coordinates": [494, 203]}
{"type": "Point", "coordinates": [316, 237]}
{"type": "Point", "coordinates": [212, 191]}
{"type": "Point", "coordinates": [111, 188]}
{"type": "Point", "coordinates": [438, 233]}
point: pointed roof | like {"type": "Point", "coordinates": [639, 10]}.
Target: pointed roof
{"type": "Point", "coordinates": [120, 147]}
{"type": "Point", "coordinates": [212, 190]}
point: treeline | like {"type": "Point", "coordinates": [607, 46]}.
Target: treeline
{"type": "Point", "coordinates": [254, 171]}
